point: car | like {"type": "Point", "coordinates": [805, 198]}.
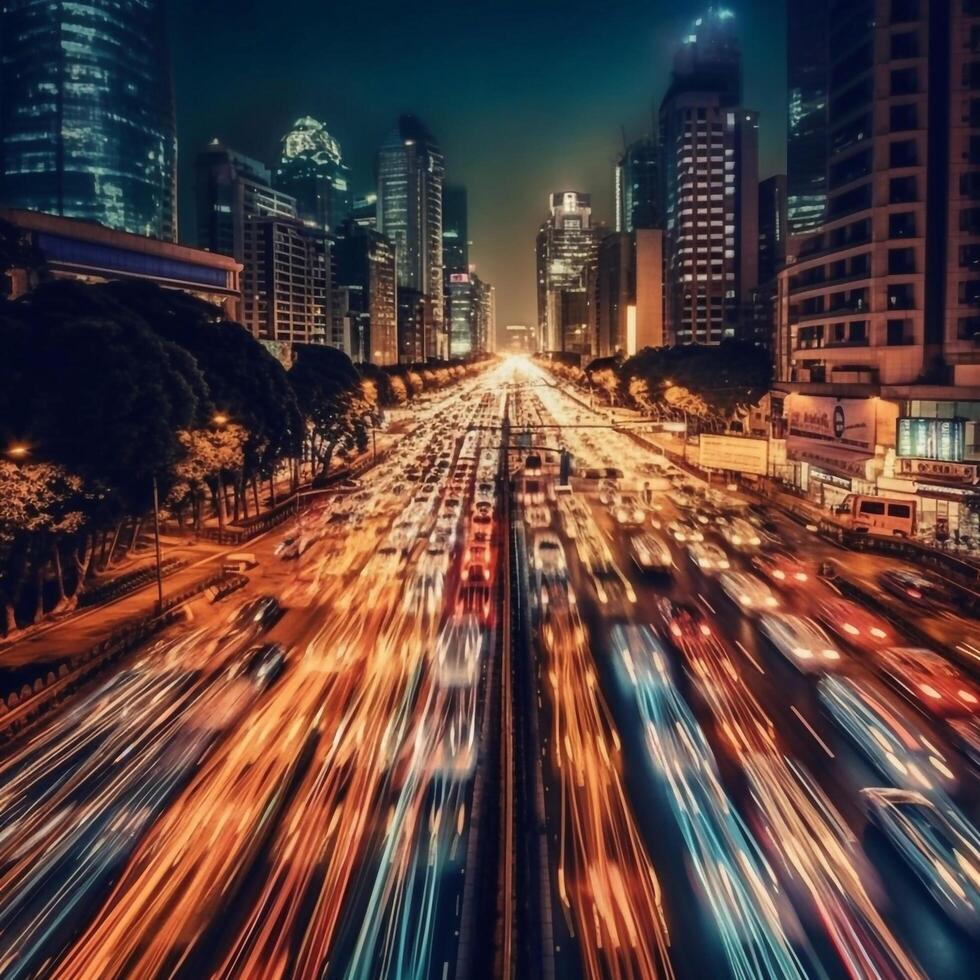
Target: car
{"type": "Point", "coordinates": [458, 651]}
{"type": "Point", "coordinates": [852, 623]}
{"type": "Point", "coordinates": [548, 555]}
{"type": "Point", "coordinates": [938, 843]}
{"type": "Point", "coordinates": [650, 553]}
{"type": "Point", "coordinates": [265, 663]}
{"type": "Point", "coordinates": [748, 591]}
{"type": "Point", "coordinates": [684, 530]}
{"type": "Point", "coordinates": [680, 500]}
{"type": "Point", "coordinates": [913, 587]}
{"type": "Point", "coordinates": [258, 614]}
{"type": "Point", "coordinates": [741, 534]}
{"type": "Point", "coordinates": [801, 641]}
{"type": "Point", "coordinates": [538, 517]}
{"type": "Point", "coordinates": [685, 623]}
{"type": "Point", "coordinates": [628, 512]}
{"type": "Point", "coordinates": [608, 493]}
{"type": "Point", "coordinates": [891, 741]}
{"type": "Point", "coordinates": [781, 567]}
{"type": "Point", "coordinates": [708, 557]}
{"type": "Point", "coordinates": [481, 522]}
{"type": "Point", "coordinates": [929, 681]}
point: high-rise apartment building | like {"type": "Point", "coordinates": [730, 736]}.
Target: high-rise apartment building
{"type": "Point", "coordinates": [232, 187]}
{"type": "Point", "coordinates": [414, 324]}
{"type": "Point", "coordinates": [86, 115]}
{"type": "Point", "coordinates": [455, 229]}
{"type": "Point", "coordinates": [638, 186]}
{"type": "Point", "coordinates": [625, 293]}
{"type": "Point", "coordinates": [879, 307]}
{"type": "Point", "coordinates": [566, 246]}
{"type": "Point", "coordinates": [286, 290]}
{"type": "Point", "coordinates": [806, 146]}
{"type": "Point", "coordinates": [286, 265]}
{"type": "Point", "coordinates": [709, 149]}
{"type": "Point", "coordinates": [312, 171]}
{"type": "Point", "coordinates": [364, 262]}
{"type": "Point", "coordinates": [410, 178]}
{"type": "Point", "coordinates": [470, 314]}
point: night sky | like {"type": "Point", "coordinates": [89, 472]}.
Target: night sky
{"type": "Point", "coordinates": [524, 96]}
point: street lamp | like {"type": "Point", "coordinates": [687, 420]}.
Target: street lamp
{"type": "Point", "coordinates": [18, 450]}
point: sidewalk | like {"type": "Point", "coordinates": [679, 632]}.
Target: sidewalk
{"type": "Point", "coordinates": [61, 639]}
{"type": "Point", "coordinates": [65, 638]}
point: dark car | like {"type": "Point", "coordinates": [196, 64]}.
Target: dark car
{"type": "Point", "coordinates": [261, 612]}
{"type": "Point", "coordinates": [265, 663]}
{"type": "Point", "coordinates": [914, 588]}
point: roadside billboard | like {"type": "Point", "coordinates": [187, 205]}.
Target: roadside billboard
{"type": "Point", "coordinates": [737, 453]}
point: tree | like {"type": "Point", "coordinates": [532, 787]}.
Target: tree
{"type": "Point", "coordinates": [329, 395]}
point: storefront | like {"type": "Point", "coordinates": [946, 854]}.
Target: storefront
{"type": "Point", "coordinates": [946, 494]}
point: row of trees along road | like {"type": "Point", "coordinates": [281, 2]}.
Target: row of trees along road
{"type": "Point", "coordinates": [106, 388]}
{"type": "Point", "coordinates": [712, 387]}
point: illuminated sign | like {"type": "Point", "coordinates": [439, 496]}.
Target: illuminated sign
{"type": "Point", "coordinates": [822, 476]}
{"type": "Point", "coordinates": [939, 439]}
{"type": "Point", "coordinates": [932, 469]}
{"type": "Point", "coordinates": [847, 422]}
{"type": "Point", "coordinates": [459, 277]}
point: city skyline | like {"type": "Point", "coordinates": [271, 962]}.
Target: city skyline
{"type": "Point", "coordinates": [517, 90]}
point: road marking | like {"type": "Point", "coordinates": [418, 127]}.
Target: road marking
{"type": "Point", "coordinates": [755, 663]}
{"type": "Point", "coordinates": [810, 729]}
{"type": "Point", "coordinates": [708, 604]}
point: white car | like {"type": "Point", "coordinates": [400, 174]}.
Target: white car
{"type": "Point", "coordinates": [685, 531]}
{"type": "Point", "coordinates": [549, 555]}
{"type": "Point", "coordinates": [538, 517]}
{"type": "Point", "coordinates": [747, 591]}
{"type": "Point", "coordinates": [708, 557]}
{"type": "Point", "coordinates": [628, 512]}
{"type": "Point", "coordinates": [801, 642]}
{"type": "Point", "coordinates": [608, 493]}
{"type": "Point", "coordinates": [938, 843]}
{"type": "Point", "coordinates": [741, 534]}
{"type": "Point", "coordinates": [651, 553]}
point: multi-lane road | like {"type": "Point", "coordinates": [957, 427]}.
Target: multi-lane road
{"type": "Point", "coordinates": [467, 723]}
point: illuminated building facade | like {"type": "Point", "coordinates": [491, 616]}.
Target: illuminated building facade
{"type": "Point", "coordinates": [710, 178]}
{"type": "Point", "coordinates": [566, 246]}
{"type": "Point", "coordinates": [411, 170]}
{"type": "Point", "coordinates": [87, 115]}
{"type": "Point", "coordinates": [364, 261]}
{"type": "Point", "coordinates": [311, 170]}
{"type": "Point", "coordinates": [880, 304]}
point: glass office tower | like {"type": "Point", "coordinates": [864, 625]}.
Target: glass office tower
{"type": "Point", "coordinates": [87, 116]}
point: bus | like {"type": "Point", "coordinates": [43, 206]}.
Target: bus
{"type": "Point", "coordinates": [885, 516]}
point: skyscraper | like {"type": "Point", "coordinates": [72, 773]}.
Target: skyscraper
{"type": "Point", "coordinates": [879, 306]}
{"type": "Point", "coordinates": [566, 246]}
{"type": "Point", "coordinates": [365, 275]}
{"type": "Point", "coordinates": [455, 229]}
{"type": "Point", "coordinates": [232, 187]}
{"type": "Point", "coordinates": [710, 178]}
{"type": "Point", "coordinates": [772, 227]}
{"type": "Point", "coordinates": [286, 274]}
{"type": "Point", "coordinates": [806, 146]}
{"type": "Point", "coordinates": [87, 117]}
{"type": "Point", "coordinates": [312, 171]}
{"type": "Point", "coordinates": [638, 186]}
{"type": "Point", "coordinates": [410, 178]}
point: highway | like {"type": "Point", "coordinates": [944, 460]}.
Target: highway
{"type": "Point", "coordinates": [714, 748]}
{"type": "Point", "coordinates": [472, 719]}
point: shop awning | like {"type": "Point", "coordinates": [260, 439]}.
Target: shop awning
{"type": "Point", "coordinates": [834, 460]}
